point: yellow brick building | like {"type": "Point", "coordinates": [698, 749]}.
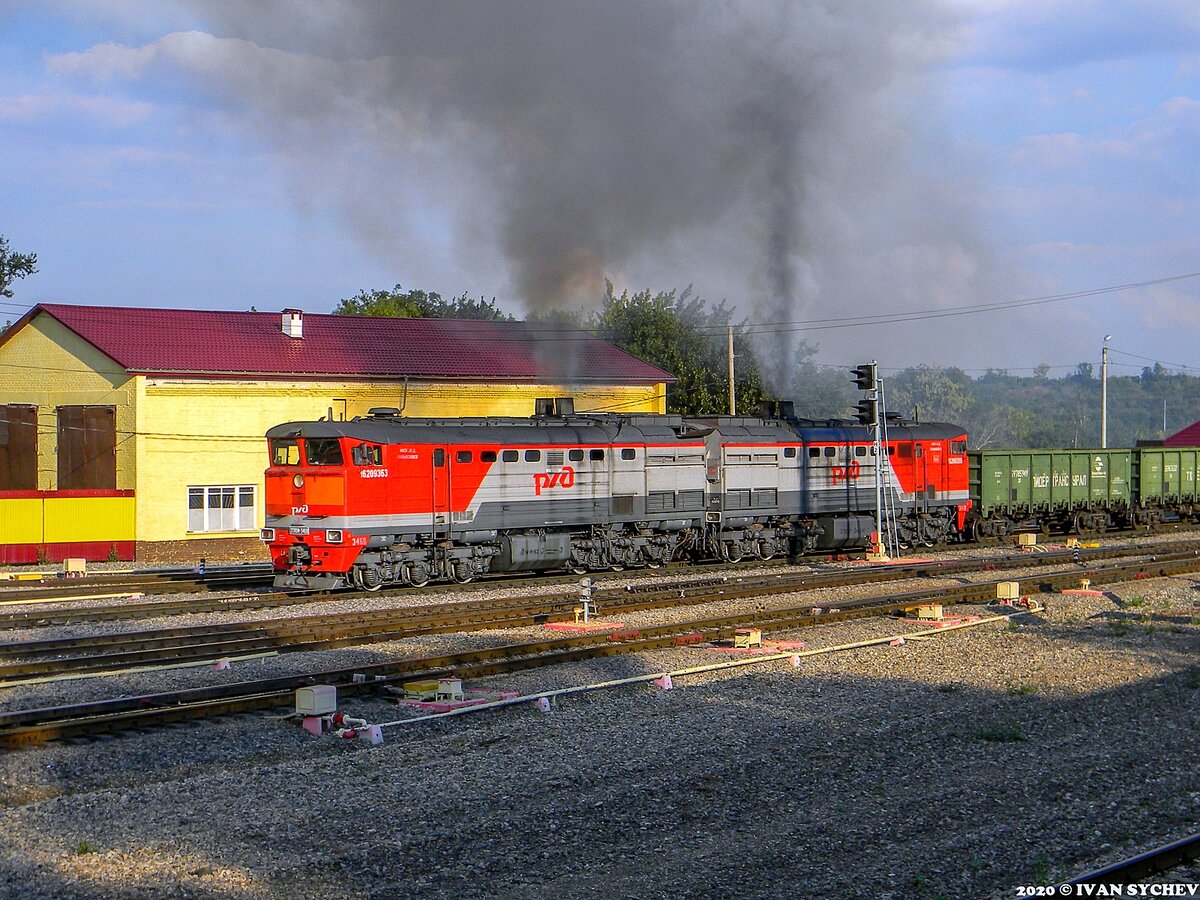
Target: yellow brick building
{"type": "Point", "coordinates": [138, 433]}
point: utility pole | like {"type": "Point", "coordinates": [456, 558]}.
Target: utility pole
{"type": "Point", "coordinates": [732, 389]}
{"type": "Point", "coordinates": [1104, 392]}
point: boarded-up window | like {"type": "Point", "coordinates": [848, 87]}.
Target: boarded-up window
{"type": "Point", "coordinates": [18, 448]}
{"type": "Point", "coordinates": [87, 448]}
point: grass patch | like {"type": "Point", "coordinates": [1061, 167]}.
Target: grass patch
{"type": "Point", "coordinates": [999, 733]}
{"type": "Point", "coordinates": [1041, 871]}
{"type": "Point", "coordinates": [1021, 690]}
{"type": "Point", "coordinates": [1135, 602]}
{"type": "Point", "coordinates": [86, 847]}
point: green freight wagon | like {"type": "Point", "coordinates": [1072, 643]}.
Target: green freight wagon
{"type": "Point", "coordinates": [1049, 490]}
{"type": "Point", "coordinates": [1167, 481]}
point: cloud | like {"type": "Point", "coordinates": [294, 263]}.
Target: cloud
{"type": "Point", "coordinates": [1048, 35]}
{"type": "Point", "coordinates": [105, 111]}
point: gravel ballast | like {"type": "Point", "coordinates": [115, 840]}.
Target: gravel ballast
{"type": "Point", "coordinates": [959, 766]}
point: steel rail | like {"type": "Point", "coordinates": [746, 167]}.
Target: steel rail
{"type": "Point", "coordinates": [160, 608]}
{"type": "Point", "coordinates": [1144, 865]}
{"type": "Point", "coordinates": [334, 630]}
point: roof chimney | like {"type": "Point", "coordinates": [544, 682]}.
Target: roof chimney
{"type": "Point", "coordinates": [293, 323]}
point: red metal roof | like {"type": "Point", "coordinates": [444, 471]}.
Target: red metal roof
{"type": "Point", "coordinates": [1189, 437]}
{"type": "Point", "coordinates": [211, 342]}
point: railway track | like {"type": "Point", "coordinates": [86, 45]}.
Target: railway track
{"type": "Point", "coordinates": [1140, 867]}
{"type": "Point", "coordinates": [79, 656]}
{"type": "Point", "coordinates": [56, 658]}
{"type": "Point", "coordinates": [47, 615]}
{"type": "Point", "coordinates": [21, 728]}
{"type": "Point", "coordinates": [159, 581]}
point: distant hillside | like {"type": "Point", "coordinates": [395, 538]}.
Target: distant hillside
{"type": "Point", "coordinates": [1002, 410]}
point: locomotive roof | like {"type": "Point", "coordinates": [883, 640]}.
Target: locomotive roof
{"type": "Point", "coordinates": [834, 430]}
{"type": "Point", "coordinates": [602, 428]}
{"type": "Point", "coordinates": [599, 429]}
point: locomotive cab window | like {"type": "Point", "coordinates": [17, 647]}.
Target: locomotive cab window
{"type": "Point", "coordinates": [958, 447]}
{"type": "Point", "coordinates": [322, 452]}
{"type": "Point", "coordinates": [367, 455]}
{"type": "Point", "coordinates": [510, 456]}
{"type": "Point", "coordinates": [285, 452]}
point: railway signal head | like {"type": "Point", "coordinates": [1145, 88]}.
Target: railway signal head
{"type": "Point", "coordinates": [864, 376]}
{"type": "Point", "coordinates": [868, 412]}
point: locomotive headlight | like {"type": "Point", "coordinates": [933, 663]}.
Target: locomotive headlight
{"type": "Point", "coordinates": [333, 536]}
{"type": "Point", "coordinates": [267, 535]}
{"type": "Point", "coordinates": [298, 480]}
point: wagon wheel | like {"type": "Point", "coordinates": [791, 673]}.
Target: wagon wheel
{"type": "Point", "coordinates": [576, 569]}
{"type": "Point", "coordinates": [1079, 523]}
{"type": "Point", "coordinates": [976, 529]}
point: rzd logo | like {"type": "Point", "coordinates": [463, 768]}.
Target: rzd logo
{"type": "Point", "coordinates": [563, 478]}
{"type": "Point", "coordinates": [851, 472]}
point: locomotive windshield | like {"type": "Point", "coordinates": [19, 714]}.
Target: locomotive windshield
{"type": "Point", "coordinates": [285, 452]}
{"type": "Point", "coordinates": [322, 452]}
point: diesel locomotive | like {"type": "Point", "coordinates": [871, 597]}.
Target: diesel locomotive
{"type": "Point", "coordinates": [387, 500]}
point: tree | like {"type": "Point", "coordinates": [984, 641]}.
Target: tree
{"type": "Point", "coordinates": [417, 304]}
{"type": "Point", "coordinates": [939, 395]}
{"type": "Point", "coordinates": [681, 333]}
{"type": "Point", "coordinates": [13, 266]}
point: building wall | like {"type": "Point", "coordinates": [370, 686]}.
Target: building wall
{"type": "Point", "coordinates": [47, 365]}
{"type": "Point", "coordinates": [210, 433]}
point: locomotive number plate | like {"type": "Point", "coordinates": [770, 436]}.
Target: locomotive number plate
{"type": "Point", "coordinates": [298, 529]}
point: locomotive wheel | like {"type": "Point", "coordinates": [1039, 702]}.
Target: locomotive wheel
{"type": "Point", "coordinates": [413, 579]}
{"type": "Point", "coordinates": [372, 587]}
{"type": "Point", "coordinates": [461, 575]}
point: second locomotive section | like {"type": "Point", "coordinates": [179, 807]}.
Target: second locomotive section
{"type": "Point", "coordinates": [387, 500]}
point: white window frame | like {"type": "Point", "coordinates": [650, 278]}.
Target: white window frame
{"type": "Point", "coordinates": [216, 518]}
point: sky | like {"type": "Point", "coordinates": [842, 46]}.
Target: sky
{"type": "Point", "coordinates": [855, 175]}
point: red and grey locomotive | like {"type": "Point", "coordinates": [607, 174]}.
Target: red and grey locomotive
{"type": "Point", "coordinates": [385, 500]}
